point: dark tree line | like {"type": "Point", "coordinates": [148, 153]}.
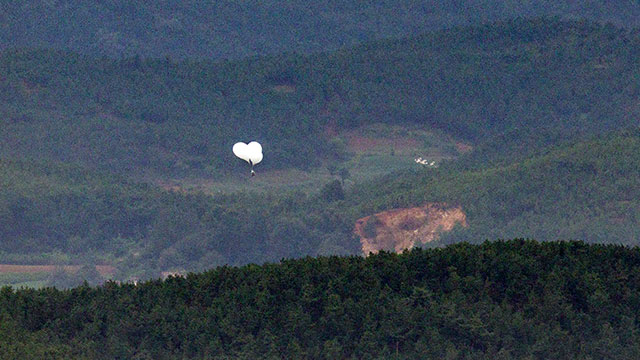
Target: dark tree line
{"type": "Point", "coordinates": [218, 30]}
{"type": "Point", "coordinates": [504, 299]}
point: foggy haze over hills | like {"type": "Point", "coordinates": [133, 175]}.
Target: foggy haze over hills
{"type": "Point", "coordinates": [235, 29]}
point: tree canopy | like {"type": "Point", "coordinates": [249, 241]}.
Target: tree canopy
{"type": "Point", "coordinates": [503, 299]}
{"type": "Point", "coordinates": [233, 29]}
{"type": "Point", "coordinates": [507, 88]}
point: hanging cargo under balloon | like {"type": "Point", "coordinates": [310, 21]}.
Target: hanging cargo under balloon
{"type": "Point", "coordinates": [251, 153]}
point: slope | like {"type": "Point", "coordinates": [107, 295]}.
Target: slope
{"type": "Point", "coordinates": [231, 29]}
{"type": "Point", "coordinates": [506, 87]}
{"type": "Point", "coordinates": [586, 190]}
{"type": "Point", "coordinates": [512, 299]}
{"type": "Point", "coordinates": [62, 214]}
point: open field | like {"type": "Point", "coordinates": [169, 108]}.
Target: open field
{"type": "Point", "coordinates": [29, 279]}
{"type": "Point", "coordinates": [104, 270]}
{"type": "Point", "coordinates": [371, 151]}
{"type": "Point", "coordinates": [37, 276]}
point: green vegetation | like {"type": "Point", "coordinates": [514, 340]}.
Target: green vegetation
{"type": "Point", "coordinates": [513, 299]}
{"type": "Point", "coordinates": [587, 190]}
{"type": "Point", "coordinates": [362, 154]}
{"type": "Point", "coordinates": [509, 88]}
{"type": "Point", "coordinates": [224, 29]}
{"type": "Point", "coordinates": [126, 160]}
{"type": "Point", "coordinates": [17, 280]}
{"type": "Point", "coordinates": [98, 218]}
{"type": "Point", "coordinates": [543, 102]}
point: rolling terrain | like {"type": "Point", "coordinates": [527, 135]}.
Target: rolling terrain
{"type": "Point", "coordinates": [397, 141]}
{"type": "Point", "coordinates": [507, 89]}
{"type": "Point", "coordinates": [231, 29]}
{"type": "Point", "coordinates": [586, 190]}
{"type": "Point", "coordinates": [531, 126]}
{"type": "Point", "coordinates": [506, 299]}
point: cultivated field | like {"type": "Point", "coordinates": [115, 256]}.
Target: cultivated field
{"type": "Point", "coordinates": [371, 151]}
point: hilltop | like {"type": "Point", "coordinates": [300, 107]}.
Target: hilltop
{"type": "Point", "coordinates": [507, 299]}
{"type": "Point", "coordinates": [230, 29]}
{"type": "Point", "coordinates": [507, 88]}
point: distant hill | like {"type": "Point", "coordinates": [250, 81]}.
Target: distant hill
{"type": "Point", "coordinates": [588, 190]}
{"type": "Point", "coordinates": [498, 300]}
{"type": "Point", "coordinates": [508, 88]}
{"type": "Point", "coordinates": [549, 106]}
{"type": "Point", "coordinates": [60, 214]}
{"type": "Point", "coordinates": [230, 29]}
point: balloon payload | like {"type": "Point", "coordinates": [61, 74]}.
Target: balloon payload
{"type": "Point", "coordinates": [251, 153]}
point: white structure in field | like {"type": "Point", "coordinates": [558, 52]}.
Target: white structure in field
{"type": "Point", "coordinates": [422, 161]}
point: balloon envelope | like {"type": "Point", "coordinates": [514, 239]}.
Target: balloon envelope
{"type": "Point", "coordinates": [251, 153]}
{"type": "Point", "coordinates": [255, 152]}
{"type": "Point", "coordinates": [240, 150]}
{"type": "Point", "coordinates": [256, 159]}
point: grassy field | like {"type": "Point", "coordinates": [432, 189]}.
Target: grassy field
{"type": "Point", "coordinates": [370, 152]}
{"type": "Point", "coordinates": [37, 276]}
{"type": "Point", "coordinates": [24, 279]}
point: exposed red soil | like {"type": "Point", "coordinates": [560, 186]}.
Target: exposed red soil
{"type": "Point", "coordinates": [287, 89]}
{"type": "Point", "coordinates": [400, 229]}
{"type": "Point", "coordinates": [463, 148]}
{"type": "Point", "coordinates": [357, 143]}
{"type": "Point", "coordinates": [104, 270]}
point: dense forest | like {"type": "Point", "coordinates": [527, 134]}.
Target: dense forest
{"type": "Point", "coordinates": [54, 213]}
{"type": "Point", "coordinates": [508, 88]}
{"type": "Point", "coordinates": [60, 213]}
{"type": "Point", "coordinates": [498, 300]}
{"type": "Point", "coordinates": [234, 29]}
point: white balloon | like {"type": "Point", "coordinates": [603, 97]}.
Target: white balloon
{"type": "Point", "coordinates": [255, 152]}
{"type": "Point", "coordinates": [255, 147]}
{"type": "Point", "coordinates": [251, 153]}
{"type": "Point", "coordinates": [240, 150]}
{"type": "Point", "coordinates": [256, 158]}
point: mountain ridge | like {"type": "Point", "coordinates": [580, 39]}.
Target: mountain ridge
{"type": "Point", "coordinates": [521, 84]}
{"type": "Point", "coordinates": [229, 29]}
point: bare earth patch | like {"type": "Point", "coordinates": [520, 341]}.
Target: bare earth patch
{"type": "Point", "coordinates": [463, 148]}
{"type": "Point", "coordinates": [365, 144]}
{"type": "Point", "coordinates": [400, 229]}
{"type": "Point", "coordinates": [104, 270]}
{"type": "Point", "coordinates": [359, 143]}
{"type": "Point", "coordinates": [285, 89]}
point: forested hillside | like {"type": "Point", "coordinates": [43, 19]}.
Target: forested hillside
{"type": "Point", "coordinates": [52, 213]}
{"type": "Point", "coordinates": [117, 120]}
{"type": "Point", "coordinates": [587, 190]}
{"type": "Point", "coordinates": [498, 300]}
{"type": "Point", "coordinates": [507, 87]}
{"type": "Point", "coordinates": [545, 103]}
{"type": "Point", "coordinates": [234, 29]}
